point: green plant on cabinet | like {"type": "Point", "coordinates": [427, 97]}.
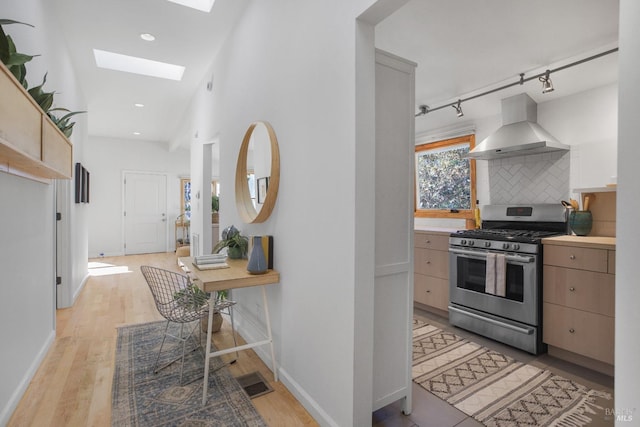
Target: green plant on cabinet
{"type": "Point", "coordinates": [16, 64]}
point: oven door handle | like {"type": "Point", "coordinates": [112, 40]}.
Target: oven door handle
{"type": "Point", "coordinates": [482, 255]}
{"type": "Point", "coordinates": [524, 331]}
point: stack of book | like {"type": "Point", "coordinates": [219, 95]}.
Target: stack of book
{"type": "Point", "coordinates": [209, 262]}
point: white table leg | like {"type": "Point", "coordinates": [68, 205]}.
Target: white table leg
{"type": "Point", "coordinates": [269, 336]}
{"type": "Point", "coordinates": [205, 385]}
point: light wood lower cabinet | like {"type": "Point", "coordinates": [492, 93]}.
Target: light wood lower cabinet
{"type": "Point", "coordinates": [578, 331]}
{"type": "Point", "coordinates": [579, 304]}
{"type": "Point", "coordinates": [431, 270]}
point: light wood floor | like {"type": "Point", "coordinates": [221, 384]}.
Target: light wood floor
{"type": "Point", "coordinates": [72, 387]}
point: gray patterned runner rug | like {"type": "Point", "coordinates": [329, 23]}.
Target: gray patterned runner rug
{"type": "Point", "coordinates": [142, 398]}
{"type": "Point", "coordinates": [495, 389]}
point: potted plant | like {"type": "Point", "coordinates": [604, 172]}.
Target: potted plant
{"type": "Point", "coordinates": [15, 63]}
{"type": "Point", "coordinates": [215, 207]}
{"type": "Point", "coordinates": [193, 297]}
{"type": "Point", "coordinates": [236, 244]}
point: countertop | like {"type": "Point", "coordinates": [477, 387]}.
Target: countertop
{"type": "Point", "coordinates": [435, 230]}
{"type": "Point", "coordinates": [596, 242]}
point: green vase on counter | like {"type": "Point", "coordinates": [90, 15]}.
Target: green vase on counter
{"type": "Point", "coordinates": [580, 222]}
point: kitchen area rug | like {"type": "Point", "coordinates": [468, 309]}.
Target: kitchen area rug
{"type": "Point", "coordinates": [495, 389]}
{"type": "Point", "coordinates": [142, 398]}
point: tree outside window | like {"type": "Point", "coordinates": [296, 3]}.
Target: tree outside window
{"type": "Point", "coordinates": [445, 180]}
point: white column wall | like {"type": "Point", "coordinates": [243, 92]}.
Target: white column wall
{"type": "Point", "coordinates": [628, 234]}
{"type": "Point", "coordinates": [294, 66]}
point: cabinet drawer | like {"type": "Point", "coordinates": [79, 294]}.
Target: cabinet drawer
{"type": "Point", "coordinates": [576, 257]}
{"type": "Point", "coordinates": [431, 263]}
{"type": "Point", "coordinates": [431, 291]}
{"type": "Point", "coordinates": [584, 290]}
{"type": "Point", "coordinates": [587, 334]}
{"type": "Point", "coordinates": [431, 241]}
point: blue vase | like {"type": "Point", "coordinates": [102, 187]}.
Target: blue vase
{"type": "Point", "coordinates": [257, 261]}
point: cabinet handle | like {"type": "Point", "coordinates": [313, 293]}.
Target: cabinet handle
{"type": "Point", "coordinates": [572, 257]}
{"type": "Point", "coordinates": [428, 291]}
{"type": "Point", "coordinates": [572, 330]}
{"type": "Point", "coordinates": [572, 289]}
{"type": "Point", "coordinates": [428, 241]}
{"type": "Point", "coordinates": [428, 262]}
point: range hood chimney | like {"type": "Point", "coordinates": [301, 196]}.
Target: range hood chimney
{"type": "Point", "coordinates": [520, 133]}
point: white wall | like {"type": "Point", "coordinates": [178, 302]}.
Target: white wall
{"type": "Point", "coordinates": [106, 159]}
{"type": "Point", "coordinates": [628, 233]}
{"type": "Point", "coordinates": [305, 88]}
{"type": "Point", "coordinates": [27, 215]}
{"type": "Point", "coordinates": [588, 121]}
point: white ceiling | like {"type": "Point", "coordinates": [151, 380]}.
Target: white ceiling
{"type": "Point", "coordinates": [464, 47]}
{"type": "Point", "coordinates": [461, 47]}
{"type": "Point", "coordinates": [184, 36]}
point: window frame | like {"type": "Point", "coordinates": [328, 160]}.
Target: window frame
{"type": "Point", "coordinates": [467, 214]}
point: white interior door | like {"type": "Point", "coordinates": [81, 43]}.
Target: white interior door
{"type": "Point", "coordinates": [145, 215]}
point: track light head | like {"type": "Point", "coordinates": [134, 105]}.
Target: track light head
{"type": "Point", "coordinates": [458, 108]}
{"type": "Point", "coordinates": [547, 84]}
{"type": "Point", "coordinates": [423, 109]}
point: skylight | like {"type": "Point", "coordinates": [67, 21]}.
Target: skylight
{"type": "Point", "coordinates": [133, 64]}
{"type": "Point", "coordinates": [203, 5]}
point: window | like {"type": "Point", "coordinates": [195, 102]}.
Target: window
{"type": "Point", "coordinates": [185, 195]}
{"type": "Point", "coordinates": [445, 181]}
{"type": "Point", "coordinates": [185, 198]}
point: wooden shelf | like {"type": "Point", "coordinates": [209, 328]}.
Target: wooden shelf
{"type": "Point", "coordinates": [30, 143]}
{"type": "Point", "coordinates": [606, 189]}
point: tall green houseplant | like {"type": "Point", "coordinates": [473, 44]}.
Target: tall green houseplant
{"type": "Point", "coordinates": [15, 62]}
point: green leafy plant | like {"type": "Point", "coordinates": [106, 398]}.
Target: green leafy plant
{"type": "Point", "coordinates": [10, 57]}
{"type": "Point", "coordinates": [63, 122]}
{"type": "Point", "coordinates": [15, 62]}
{"type": "Point", "coordinates": [232, 239]}
{"type": "Point", "coordinates": [191, 297]}
{"type": "Point", "coordinates": [44, 99]}
{"type": "Point", "coordinates": [215, 203]}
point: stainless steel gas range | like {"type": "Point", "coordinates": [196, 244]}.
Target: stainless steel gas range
{"type": "Point", "coordinates": [495, 277]}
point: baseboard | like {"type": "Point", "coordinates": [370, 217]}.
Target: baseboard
{"type": "Point", "coordinates": [578, 359]}
{"type": "Point", "coordinates": [77, 292]}
{"type": "Point", "coordinates": [251, 332]}
{"type": "Point", "coordinates": [18, 393]}
{"type": "Point", "coordinates": [306, 400]}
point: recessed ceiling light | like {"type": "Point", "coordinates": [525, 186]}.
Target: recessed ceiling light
{"type": "Point", "coordinates": [133, 64]}
{"type": "Point", "coordinates": [148, 37]}
{"type": "Point", "coordinates": [203, 5]}
{"type": "Point", "coordinates": [136, 133]}
{"type": "Point", "coordinates": [139, 105]}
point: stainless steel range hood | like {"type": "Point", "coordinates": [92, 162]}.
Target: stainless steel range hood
{"type": "Point", "coordinates": [520, 133]}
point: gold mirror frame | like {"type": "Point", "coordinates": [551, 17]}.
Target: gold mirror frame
{"type": "Point", "coordinates": [243, 197]}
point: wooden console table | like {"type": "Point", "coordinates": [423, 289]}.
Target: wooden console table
{"type": "Point", "coordinates": [236, 276]}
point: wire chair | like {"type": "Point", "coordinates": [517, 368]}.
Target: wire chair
{"type": "Point", "coordinates": [180, 301]}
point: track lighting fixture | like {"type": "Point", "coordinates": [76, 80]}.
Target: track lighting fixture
{"type": "Point", "coordinates": [547, 85]}
{"type": "Point", "coordinates": [423, 109]}
{"type": "Point", "coordinates": [458, 108]}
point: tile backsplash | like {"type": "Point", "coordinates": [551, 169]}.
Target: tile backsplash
{"type": "Point", "coordinates": [536, 178]}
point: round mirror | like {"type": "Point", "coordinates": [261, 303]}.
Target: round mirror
{"type": "Point", "coordinates": [257, 173]}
